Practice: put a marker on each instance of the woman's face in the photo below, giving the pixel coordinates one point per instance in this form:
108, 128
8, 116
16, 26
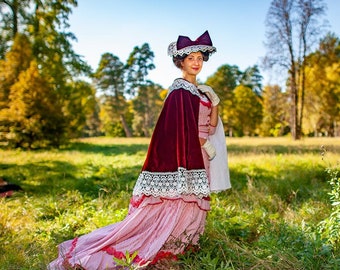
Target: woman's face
192, 64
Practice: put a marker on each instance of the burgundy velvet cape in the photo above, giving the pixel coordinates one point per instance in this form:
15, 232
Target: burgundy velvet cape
175, 148
175, 141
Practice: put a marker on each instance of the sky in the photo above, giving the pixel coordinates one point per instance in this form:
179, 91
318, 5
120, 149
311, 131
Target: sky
237, 29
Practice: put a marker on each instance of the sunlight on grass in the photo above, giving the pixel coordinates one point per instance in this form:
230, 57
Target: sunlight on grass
268, 220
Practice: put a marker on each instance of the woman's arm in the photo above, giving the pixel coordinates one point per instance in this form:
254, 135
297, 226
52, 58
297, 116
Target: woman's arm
214, 116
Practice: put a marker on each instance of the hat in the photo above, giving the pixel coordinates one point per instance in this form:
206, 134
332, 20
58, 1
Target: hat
185, 45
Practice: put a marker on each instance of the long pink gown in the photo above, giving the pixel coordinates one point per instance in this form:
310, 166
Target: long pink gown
168, 209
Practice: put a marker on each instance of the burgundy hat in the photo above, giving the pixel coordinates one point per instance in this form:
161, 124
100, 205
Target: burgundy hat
185, 45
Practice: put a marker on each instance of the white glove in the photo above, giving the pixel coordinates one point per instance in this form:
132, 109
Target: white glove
210, 149
210, 93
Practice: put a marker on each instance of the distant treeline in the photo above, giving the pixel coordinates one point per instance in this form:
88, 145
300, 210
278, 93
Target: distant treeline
49, 94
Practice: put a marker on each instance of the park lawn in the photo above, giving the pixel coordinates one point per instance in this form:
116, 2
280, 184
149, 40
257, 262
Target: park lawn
270, 219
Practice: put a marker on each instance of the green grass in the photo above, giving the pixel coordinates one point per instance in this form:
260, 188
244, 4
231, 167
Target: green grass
269, 220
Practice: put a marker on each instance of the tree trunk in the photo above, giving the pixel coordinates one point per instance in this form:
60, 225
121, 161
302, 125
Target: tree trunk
14, 9
127, 130
146, 125
303, 84
293, 115
294, 100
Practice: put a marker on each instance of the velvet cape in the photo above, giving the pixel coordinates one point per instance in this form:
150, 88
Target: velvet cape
174, 148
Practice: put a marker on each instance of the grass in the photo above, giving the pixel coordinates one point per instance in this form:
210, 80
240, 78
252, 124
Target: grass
269, 220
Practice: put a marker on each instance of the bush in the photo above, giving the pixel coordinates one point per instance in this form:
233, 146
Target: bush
330, 227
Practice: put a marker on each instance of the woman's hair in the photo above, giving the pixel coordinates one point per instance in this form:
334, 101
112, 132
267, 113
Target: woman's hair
179, 59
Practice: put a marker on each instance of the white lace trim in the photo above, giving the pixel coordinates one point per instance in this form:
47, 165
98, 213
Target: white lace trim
183, 84
172, 184
172, 49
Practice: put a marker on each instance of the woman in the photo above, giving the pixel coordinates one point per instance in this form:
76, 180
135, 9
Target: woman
170, 200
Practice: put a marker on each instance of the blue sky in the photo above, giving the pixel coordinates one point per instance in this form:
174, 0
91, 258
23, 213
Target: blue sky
237, 29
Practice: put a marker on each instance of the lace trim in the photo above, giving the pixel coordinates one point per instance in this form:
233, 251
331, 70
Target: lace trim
172, 184
172, 49
183, 84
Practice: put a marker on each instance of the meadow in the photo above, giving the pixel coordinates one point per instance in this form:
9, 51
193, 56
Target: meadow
271, 218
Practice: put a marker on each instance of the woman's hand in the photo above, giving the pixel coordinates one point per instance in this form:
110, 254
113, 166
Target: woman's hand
210, 149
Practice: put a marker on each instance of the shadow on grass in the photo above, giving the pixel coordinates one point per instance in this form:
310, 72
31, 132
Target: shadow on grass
56, 177
106, 149
261, 244
281, 149
131, 149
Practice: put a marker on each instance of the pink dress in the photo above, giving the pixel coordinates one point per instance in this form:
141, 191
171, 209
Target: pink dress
167, 214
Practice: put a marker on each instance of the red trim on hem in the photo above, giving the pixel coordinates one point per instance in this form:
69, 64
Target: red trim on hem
120, 255
66, 263
164, 255
138, 260
137, 203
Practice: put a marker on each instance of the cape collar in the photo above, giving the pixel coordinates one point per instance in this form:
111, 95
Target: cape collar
183, 84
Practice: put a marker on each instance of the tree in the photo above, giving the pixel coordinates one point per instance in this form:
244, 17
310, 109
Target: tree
52, 46
224, 81
34, 113
252, 78
292, 28
93, 125
41, 26
120, 82
146, 107
109, 78
78, 107
323, 87
12, 14
274, 104
248, 111
16, 60
111, 124
138, 65
47, 26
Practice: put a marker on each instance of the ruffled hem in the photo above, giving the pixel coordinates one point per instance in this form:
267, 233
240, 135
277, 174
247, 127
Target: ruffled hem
155, 228
144, 200
138, 261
